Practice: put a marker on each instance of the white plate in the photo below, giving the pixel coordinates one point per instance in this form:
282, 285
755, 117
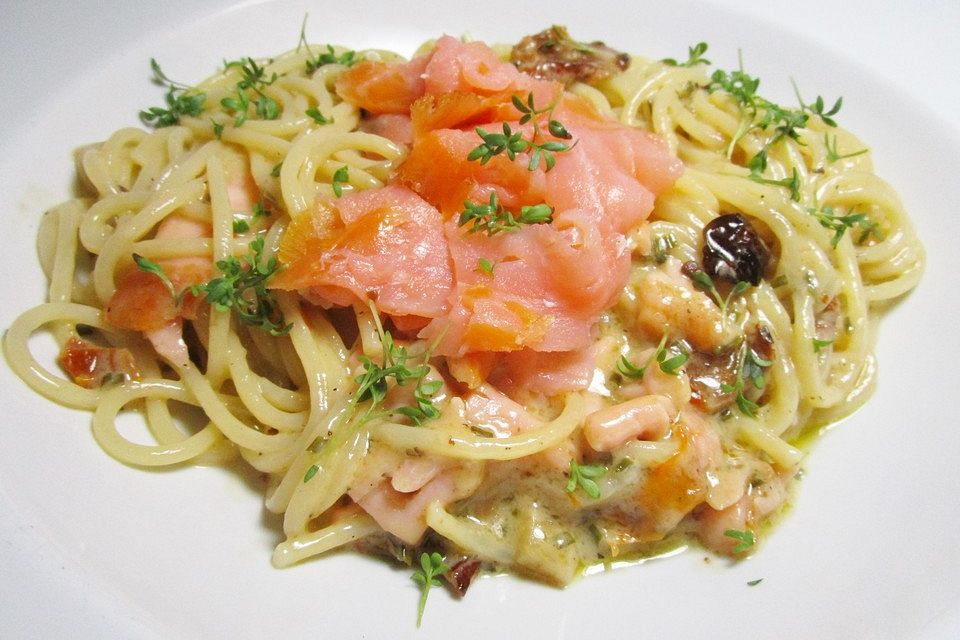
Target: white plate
94, 549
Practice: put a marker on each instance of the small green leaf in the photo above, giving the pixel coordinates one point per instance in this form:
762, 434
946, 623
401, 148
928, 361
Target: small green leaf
694, 56
432, 565
340, 177
485, 266
672, 365
821, 344
584, 477
745, 539
318, 117
149, 266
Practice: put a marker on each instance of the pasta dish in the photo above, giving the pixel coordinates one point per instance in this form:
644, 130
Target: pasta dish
528, 308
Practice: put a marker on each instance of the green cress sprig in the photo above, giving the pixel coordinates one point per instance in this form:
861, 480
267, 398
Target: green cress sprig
745, 540
512, 142
254, 78
241, 287
584, 476
149, 266
485, 266
340, 177
431, 566
662, 244
318, 117
762, 115
751, 367
694, 56
373, 382
839, 224
818, 344
792, 183
314, 62
493, 218
833, 155
670, 366
704, 282
181, 99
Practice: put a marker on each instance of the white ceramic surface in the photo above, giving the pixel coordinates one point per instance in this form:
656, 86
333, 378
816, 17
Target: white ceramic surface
92, 549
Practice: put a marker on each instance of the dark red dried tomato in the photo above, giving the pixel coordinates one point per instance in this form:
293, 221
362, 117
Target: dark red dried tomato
553, 55
733, 251
461, 574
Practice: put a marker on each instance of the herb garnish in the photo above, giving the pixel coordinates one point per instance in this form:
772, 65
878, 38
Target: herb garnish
832, 155
817, 106
394, 364
149, 266
242, 287
694, 56
423, 408
745, 538
704, 282
318, 117
254, 79
431, 566
584, 475
347, 58
494, 218
670, 366
820, 344
779, 281
753, 583
751, 367
869, 228
512, 142
485, 266
180, 101
760, 114
340, 177
829, 219
792, 183
662, 244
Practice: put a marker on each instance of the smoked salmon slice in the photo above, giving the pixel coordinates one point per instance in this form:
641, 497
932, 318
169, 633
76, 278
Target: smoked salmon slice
381, 87
384, 243
546, 284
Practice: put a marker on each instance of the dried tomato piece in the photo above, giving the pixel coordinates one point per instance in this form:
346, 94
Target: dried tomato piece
553, 55
90, 365
462, 573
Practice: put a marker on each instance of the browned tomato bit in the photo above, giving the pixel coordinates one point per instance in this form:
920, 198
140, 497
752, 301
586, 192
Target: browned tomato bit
553, 55
90, 365
708, 372
461, 574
